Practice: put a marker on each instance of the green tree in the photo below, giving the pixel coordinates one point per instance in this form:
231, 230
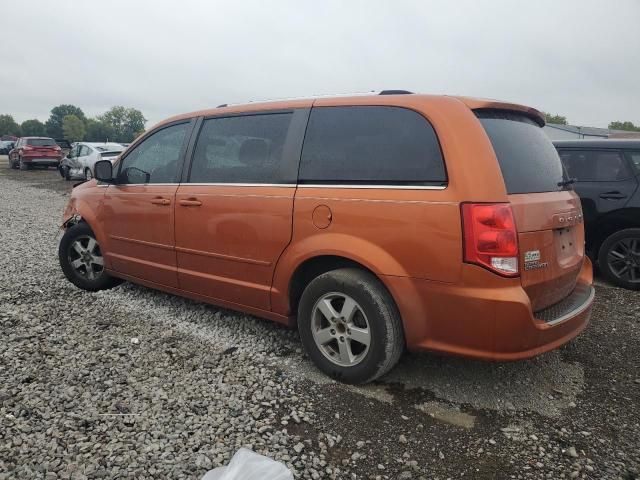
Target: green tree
33, 128
54, 124
629, 126
8, 126
125, 122
98, 131
558, 119
73, 128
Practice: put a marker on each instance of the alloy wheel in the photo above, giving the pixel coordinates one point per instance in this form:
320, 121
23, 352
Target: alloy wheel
85, 257
340, 329
624, 259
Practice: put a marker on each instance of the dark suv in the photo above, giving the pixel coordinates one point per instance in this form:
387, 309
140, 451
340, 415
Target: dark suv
607, 173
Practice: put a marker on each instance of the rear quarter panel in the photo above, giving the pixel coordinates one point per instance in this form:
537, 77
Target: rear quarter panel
398, 232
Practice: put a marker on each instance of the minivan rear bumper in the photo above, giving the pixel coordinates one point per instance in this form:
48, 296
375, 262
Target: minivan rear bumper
487, 317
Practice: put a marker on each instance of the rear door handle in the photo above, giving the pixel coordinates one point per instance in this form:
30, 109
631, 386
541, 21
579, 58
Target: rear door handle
190, 202
612, 196
160, 201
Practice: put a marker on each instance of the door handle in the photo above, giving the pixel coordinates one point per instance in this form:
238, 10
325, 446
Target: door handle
190, 202
612, 195
160, 201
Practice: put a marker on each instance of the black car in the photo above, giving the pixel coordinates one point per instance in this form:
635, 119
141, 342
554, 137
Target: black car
6, 146
607, 173
65, 145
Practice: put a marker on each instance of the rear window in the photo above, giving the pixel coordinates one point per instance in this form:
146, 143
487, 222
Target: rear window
41, 142
527, 158
370, 145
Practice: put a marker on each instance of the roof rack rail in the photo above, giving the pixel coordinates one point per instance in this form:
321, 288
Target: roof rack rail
222, 105
395, 92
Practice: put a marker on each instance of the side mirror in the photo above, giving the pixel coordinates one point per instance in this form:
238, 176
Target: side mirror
103, 171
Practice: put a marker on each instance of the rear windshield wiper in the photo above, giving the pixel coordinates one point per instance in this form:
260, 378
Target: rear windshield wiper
567, 182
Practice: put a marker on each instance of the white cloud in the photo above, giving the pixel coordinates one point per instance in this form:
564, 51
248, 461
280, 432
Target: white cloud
577, 58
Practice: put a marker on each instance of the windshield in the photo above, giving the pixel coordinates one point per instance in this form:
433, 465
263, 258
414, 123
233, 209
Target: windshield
527, 158
41, 142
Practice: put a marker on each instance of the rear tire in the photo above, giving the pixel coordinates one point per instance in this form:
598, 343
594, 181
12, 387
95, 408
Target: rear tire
23, 165
619, 258
82, 261
350, 326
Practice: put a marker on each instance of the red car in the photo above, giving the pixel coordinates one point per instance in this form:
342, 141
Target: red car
35, 151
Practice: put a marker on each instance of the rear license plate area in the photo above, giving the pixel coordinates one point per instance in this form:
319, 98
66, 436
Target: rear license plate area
565, 242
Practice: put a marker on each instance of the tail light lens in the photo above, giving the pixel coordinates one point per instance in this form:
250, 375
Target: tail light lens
27, 148
490, 237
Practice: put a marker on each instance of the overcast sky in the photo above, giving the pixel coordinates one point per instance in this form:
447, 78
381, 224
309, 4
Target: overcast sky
577, 58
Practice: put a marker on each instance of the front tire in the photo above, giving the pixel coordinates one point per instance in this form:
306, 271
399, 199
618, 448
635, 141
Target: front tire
619, 258
82, 261
350, 326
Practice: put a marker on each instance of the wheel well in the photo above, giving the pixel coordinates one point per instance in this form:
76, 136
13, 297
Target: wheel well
611, 224
310, 269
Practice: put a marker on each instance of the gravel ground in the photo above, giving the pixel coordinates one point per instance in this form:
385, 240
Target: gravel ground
133, 383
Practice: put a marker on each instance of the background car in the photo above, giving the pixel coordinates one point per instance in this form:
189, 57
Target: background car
29, 152
607, 175
83, 156
65, 145
6, 146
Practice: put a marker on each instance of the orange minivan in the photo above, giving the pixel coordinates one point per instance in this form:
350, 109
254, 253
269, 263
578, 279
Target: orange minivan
373, 222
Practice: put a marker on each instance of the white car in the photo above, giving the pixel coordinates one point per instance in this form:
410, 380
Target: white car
83, 156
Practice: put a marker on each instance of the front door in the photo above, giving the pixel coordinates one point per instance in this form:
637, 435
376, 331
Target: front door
139, 208
234, 211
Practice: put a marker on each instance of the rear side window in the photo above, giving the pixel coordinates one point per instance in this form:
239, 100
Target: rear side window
595, 165
528, 160
370, 145
242, 149
635, 160
41, 142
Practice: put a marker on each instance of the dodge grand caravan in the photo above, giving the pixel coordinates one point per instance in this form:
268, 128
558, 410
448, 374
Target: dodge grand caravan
374, 223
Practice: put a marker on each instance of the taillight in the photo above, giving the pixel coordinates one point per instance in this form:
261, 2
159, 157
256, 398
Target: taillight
27, 148
490, 237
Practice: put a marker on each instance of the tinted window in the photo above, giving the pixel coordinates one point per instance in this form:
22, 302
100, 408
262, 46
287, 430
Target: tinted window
84, 151
370, 145
243, 149
528, 160
41, 142
635, 160
595, 165
156, 159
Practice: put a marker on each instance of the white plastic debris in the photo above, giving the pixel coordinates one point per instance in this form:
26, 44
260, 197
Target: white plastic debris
248, 465
135, 340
